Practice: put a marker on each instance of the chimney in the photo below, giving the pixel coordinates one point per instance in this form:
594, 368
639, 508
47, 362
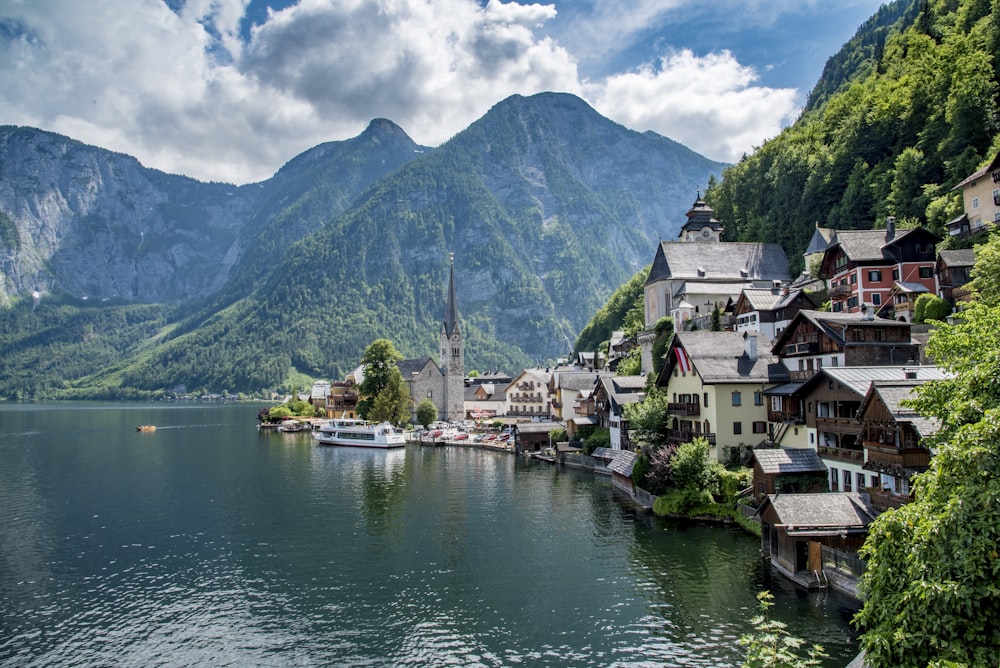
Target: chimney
750, 345
890, 228
867, 312
910, 374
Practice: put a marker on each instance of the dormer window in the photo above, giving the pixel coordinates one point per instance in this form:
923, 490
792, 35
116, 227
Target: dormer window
701, 272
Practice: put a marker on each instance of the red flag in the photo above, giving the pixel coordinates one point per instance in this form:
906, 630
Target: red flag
683, 361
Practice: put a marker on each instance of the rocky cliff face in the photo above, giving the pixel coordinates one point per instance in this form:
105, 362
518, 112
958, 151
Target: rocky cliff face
99, 225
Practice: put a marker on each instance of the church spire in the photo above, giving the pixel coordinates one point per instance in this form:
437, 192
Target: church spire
451, 314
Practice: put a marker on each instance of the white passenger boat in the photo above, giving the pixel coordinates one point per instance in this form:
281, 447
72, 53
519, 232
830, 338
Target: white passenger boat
359, 434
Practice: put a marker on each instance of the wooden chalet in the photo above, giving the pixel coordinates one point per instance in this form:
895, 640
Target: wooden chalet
954, 271
795, 529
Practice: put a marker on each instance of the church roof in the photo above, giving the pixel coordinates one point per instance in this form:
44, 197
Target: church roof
734, 261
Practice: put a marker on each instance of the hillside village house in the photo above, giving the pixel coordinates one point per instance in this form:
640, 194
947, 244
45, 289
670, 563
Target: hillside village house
690, 277
786, 470
981, 198
817, 339
892, 435
769, 311
830, 402
611, 395
715, 382
485, 400
954, 271
566, 386
880, 268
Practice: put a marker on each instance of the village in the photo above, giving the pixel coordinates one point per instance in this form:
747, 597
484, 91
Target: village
814, 401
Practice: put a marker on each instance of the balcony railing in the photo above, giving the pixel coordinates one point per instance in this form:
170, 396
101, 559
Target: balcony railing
889, 456
687, 435
801, 374
838, 291
683, 408
790, 416
842, 454
883, 500
840, 425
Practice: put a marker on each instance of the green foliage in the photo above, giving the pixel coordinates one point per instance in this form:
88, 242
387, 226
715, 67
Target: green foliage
558, 435
694, 469
380, 370
664, 332
902, 113
772, 646
631, 364
624, 310
930, 307
600, 437
392, 403
426, 412
687, 503
650, 418
932, 583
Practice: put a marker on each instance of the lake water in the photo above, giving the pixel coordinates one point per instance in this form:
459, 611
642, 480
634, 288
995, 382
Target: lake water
207, 543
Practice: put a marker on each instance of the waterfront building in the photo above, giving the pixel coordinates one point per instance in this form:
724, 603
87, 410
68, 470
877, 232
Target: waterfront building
715, 382
611, 395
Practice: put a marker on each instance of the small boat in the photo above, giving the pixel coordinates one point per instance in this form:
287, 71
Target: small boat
146, 427
348, 432
293, 426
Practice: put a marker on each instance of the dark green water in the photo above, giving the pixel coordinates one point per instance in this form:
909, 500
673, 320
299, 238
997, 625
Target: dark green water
206, 543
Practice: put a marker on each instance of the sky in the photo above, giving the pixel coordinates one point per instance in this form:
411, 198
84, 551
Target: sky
230, 90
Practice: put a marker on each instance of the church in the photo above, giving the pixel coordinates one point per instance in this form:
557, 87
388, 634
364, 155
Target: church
443, 384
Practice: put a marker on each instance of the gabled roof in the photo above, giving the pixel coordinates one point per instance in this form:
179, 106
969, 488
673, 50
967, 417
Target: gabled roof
963, 257
623, 462
542, 376
788, 460
858, 379
409, 367
821, 514
980, 173
723, 261
719, 357
760, 299
820, 240
833, 325
574, 380
699, 216
623, 390
892, 394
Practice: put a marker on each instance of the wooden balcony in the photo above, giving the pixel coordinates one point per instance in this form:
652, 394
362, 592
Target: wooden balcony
789, 416
883, 501
802, 348
683, 409
890, 457
839, 425
840, 291
687, 435
842, 454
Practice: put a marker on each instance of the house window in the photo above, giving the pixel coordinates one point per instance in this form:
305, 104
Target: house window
706, 400
926, 272
895, 274
758, 398
837, 307
759, 427
877, 299
860, 477
875, 276
737, 428
852, 302
847, 481
857, 334
737, 399
834, 480
975, 202
875, 481
854, 279
812, 438
880, 335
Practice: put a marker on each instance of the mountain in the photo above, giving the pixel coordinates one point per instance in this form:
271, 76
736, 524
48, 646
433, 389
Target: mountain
546, 205
86, 222
901, 114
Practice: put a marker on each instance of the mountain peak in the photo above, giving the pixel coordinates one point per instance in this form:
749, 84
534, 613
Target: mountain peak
383, 128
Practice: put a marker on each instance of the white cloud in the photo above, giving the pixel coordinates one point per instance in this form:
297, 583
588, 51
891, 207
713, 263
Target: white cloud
708, 104
183, 93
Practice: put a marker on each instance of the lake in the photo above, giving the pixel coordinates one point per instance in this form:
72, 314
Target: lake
206, 543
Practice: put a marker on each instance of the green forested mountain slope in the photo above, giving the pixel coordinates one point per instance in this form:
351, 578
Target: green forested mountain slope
906, 110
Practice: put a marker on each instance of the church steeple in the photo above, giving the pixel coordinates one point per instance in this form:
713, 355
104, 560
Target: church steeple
451, 313
701, 225
452, 354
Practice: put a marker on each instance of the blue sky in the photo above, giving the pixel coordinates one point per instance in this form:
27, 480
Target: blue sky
229, 90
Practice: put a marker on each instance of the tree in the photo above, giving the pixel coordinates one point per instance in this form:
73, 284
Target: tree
930, 307
379, 362
932, 582
392, 404
649, 418
427, 412
772, 646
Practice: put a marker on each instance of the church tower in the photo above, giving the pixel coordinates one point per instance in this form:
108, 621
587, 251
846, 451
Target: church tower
701, 226
452, 355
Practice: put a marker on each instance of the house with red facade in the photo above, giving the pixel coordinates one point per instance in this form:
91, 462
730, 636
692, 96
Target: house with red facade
880, 268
